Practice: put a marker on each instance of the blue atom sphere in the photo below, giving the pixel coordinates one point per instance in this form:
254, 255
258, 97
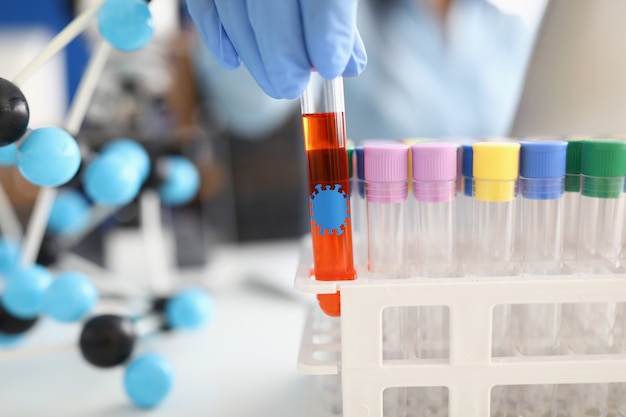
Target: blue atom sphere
132, 151
126, 24
70, 213
189, 309
8, 155
48, 157
24, 291
148, 379
70, 297
182, 181
111, 181
9, 255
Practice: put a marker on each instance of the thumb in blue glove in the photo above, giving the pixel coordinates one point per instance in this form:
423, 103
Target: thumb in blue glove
279, 40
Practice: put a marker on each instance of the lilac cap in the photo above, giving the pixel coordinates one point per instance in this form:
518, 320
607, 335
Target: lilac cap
386, 172
434, 171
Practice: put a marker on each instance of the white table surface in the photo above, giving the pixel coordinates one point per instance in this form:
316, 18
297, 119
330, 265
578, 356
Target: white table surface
243, 364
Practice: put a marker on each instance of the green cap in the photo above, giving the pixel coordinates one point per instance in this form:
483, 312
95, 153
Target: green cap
350, 152
572, 164
603, 158
603, 166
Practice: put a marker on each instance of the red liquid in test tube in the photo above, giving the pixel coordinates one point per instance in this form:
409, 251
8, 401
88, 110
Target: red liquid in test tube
328, 185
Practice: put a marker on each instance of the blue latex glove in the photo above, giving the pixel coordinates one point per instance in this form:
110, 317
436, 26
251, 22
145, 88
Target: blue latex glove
279, 40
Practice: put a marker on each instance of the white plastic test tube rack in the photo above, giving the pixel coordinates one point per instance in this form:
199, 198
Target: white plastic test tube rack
471, 371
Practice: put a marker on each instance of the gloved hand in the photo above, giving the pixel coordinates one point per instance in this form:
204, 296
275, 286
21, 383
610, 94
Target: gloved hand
279, 40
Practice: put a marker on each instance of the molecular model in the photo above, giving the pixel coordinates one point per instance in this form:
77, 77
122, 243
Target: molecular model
121, 172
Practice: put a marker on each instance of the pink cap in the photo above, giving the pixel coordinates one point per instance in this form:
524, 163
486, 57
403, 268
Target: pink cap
434, 171
386, 172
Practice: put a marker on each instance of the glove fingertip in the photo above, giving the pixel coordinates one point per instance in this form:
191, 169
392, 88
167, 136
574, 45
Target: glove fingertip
292, 88
358, 60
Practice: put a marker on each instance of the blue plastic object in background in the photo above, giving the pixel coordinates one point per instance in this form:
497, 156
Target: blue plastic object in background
132, 152
24, 291
111, 181
148, 379
8, 155
189, 309
182, 181
48, 157
70, 213
9, 255
70, 297
126, 24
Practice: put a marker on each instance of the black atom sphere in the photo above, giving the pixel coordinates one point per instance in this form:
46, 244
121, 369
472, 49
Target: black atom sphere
14, 113
107, 340
11, 325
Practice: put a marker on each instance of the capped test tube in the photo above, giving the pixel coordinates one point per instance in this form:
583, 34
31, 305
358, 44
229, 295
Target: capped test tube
603, 167
495, 172
434, 191
542, 184
386, 189
592, 327
323, 123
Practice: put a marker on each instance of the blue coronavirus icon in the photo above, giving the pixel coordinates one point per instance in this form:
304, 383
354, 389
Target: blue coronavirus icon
330, 209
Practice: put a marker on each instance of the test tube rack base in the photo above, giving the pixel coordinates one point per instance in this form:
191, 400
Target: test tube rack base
352, 351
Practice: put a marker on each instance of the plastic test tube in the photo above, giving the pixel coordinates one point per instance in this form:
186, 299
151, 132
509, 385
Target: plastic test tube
324, 129
603, 167
495, 171
571, 199
386, 189
434, 191
535, 327
542, 184
591, 327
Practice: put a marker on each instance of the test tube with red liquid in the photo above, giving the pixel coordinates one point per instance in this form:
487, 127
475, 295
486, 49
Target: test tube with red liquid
328, 178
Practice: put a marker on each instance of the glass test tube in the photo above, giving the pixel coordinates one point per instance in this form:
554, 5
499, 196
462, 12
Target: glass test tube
324, 129
571, 199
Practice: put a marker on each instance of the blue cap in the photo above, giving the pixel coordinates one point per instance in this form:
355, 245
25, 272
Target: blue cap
543, 159
360, 162
360, 169
467, 163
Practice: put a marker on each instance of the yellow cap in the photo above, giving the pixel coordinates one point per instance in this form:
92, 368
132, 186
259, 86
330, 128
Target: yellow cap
496, 166
496, 160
